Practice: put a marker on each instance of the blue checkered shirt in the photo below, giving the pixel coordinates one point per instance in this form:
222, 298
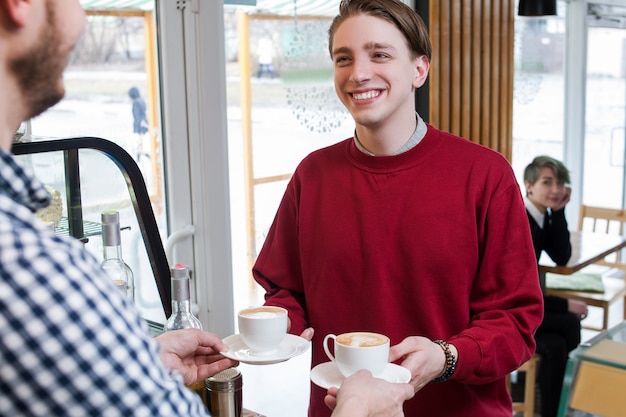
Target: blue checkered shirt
71, 344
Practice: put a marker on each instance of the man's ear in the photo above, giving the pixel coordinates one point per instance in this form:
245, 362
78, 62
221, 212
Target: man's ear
16, 11
422, 65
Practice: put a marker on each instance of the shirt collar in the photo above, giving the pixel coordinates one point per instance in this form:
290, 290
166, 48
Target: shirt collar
21, 185
416, 137
537, 215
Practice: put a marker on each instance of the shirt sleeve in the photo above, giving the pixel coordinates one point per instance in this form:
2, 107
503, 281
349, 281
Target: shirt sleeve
557, 238
506, 302
277, 268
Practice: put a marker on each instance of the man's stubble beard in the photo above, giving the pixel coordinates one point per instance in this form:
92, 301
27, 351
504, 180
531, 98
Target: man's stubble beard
39, 71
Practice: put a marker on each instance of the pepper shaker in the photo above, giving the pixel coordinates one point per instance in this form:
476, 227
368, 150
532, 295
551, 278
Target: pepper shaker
224, 393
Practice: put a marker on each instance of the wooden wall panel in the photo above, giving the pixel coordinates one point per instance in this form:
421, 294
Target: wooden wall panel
471, 78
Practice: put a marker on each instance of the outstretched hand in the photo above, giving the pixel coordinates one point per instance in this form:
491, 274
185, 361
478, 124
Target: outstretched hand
194, 353
362, 395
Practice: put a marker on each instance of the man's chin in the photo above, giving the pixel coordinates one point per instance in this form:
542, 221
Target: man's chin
44, 103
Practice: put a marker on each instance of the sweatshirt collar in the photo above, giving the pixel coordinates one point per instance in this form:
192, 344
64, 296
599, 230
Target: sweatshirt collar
416, 137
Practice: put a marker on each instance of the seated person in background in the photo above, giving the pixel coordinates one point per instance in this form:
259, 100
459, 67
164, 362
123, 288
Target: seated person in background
547, 193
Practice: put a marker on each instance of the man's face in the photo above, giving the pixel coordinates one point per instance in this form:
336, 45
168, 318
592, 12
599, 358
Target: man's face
375, 74
39, 69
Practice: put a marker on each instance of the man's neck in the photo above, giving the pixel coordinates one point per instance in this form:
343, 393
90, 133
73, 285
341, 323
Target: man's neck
381, 143
10, 111
390, 141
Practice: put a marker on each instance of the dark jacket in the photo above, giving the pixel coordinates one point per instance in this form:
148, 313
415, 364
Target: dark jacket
140, 120
554, 239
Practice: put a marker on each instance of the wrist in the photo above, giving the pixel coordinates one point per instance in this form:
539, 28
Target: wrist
351, 406
451, 355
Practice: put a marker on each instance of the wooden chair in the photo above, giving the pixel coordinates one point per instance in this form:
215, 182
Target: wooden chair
609, 221
527, 405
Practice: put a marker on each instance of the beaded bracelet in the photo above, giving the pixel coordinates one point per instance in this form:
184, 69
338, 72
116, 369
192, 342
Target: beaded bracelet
450, 362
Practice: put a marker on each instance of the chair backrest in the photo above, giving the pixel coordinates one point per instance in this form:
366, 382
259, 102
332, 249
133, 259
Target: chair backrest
604, 220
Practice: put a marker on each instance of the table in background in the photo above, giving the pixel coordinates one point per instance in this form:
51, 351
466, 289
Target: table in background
595, 377
587, 248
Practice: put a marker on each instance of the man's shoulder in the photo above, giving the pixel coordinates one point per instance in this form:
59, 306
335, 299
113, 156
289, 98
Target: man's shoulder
468, 149
28, 240
330, 151
323, 160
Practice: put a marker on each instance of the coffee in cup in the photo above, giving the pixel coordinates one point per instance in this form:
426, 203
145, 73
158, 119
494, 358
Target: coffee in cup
359, 350
262, 328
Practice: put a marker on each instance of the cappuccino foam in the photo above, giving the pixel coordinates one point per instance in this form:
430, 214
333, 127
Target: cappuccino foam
262, 313
362, 339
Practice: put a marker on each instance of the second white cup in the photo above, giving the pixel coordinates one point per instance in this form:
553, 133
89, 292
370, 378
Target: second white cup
262, 328
359, 350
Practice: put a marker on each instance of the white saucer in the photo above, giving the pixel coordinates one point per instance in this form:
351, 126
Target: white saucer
327, 375
290, 347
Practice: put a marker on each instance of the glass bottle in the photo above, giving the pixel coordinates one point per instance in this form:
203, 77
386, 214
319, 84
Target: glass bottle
113, 263
182, 317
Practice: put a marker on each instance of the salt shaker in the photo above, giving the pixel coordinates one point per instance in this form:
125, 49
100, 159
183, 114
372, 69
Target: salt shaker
223, 393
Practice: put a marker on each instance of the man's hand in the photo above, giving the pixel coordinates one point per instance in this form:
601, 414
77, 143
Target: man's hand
361, 395
194, 353
424, 358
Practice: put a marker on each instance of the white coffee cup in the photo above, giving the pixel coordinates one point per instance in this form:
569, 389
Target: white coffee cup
262, 328
359, 350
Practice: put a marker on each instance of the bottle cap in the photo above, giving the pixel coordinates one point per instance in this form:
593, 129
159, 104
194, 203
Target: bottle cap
179, 271
111, 228
110, 216
180, 283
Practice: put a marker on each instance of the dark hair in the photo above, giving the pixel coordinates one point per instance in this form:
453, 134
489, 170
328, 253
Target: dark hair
532, 171
394, 11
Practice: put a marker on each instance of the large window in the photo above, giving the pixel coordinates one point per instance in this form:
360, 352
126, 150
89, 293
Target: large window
605, 117
538, 110
111, 58
569, 99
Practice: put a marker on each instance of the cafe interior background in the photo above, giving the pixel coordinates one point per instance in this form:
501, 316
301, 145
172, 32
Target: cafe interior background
224, 138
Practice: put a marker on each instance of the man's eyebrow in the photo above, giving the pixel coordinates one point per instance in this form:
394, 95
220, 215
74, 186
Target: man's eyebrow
341, 50
375, 45
368, 46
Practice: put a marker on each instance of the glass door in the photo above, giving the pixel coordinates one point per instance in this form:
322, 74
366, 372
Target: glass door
605, 135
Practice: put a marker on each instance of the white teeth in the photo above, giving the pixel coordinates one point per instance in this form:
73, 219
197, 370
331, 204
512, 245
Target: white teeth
366, 95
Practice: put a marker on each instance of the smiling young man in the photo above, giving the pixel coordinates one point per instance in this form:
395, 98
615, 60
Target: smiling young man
406, 230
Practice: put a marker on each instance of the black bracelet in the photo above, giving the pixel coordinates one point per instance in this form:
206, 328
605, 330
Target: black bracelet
450, 362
